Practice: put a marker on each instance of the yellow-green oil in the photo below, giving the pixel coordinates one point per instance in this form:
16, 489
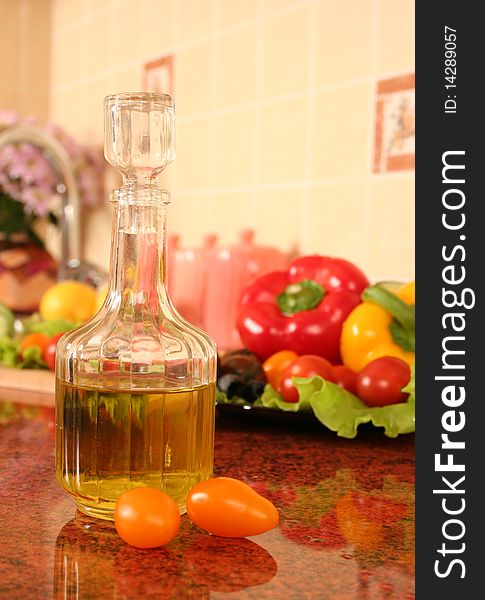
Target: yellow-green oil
108, 442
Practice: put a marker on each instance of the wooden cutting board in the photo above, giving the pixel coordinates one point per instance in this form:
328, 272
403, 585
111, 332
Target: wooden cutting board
27, 385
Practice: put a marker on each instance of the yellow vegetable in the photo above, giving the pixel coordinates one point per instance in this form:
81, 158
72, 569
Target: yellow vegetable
70, 300
101, 294
383, 325
408, 293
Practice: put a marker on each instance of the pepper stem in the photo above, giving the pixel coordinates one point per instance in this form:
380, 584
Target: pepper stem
297, 297
402, 327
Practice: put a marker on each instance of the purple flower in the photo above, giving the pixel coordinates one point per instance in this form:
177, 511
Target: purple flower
27, 176
31, 166
36, 201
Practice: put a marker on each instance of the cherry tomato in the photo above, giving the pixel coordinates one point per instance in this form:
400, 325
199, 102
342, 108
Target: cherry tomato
345, 378
304, 366
40, 340
146, 518
49, 352
380, 382
230, 508
275, 365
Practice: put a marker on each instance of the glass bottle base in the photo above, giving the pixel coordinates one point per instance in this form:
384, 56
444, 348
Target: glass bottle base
107, 513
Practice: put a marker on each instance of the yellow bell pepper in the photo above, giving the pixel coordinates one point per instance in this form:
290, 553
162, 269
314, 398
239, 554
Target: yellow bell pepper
383, 325
407, 293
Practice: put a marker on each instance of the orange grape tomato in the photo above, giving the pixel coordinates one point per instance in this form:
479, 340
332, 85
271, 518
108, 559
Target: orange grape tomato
146, 518
275, 365
34, 339
230, 508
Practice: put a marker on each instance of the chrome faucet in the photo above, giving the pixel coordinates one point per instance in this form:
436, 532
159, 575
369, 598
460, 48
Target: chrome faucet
71, 266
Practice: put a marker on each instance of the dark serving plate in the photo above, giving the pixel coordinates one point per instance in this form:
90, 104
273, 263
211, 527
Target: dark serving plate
259, 415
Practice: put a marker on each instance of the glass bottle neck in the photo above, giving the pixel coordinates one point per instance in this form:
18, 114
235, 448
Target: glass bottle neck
138, 253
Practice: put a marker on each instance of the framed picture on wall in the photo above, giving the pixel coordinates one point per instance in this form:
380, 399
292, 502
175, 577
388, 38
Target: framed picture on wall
395, 124
158, 75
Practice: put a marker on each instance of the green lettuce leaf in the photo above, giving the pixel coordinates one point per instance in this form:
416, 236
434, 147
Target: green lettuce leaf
338, 409
7, 320
8, 351
410, 388
30, 358
343, 412
271, 399
34, 324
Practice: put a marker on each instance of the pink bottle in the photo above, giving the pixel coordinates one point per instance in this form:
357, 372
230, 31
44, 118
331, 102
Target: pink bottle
173, 242
187, 268
229, 269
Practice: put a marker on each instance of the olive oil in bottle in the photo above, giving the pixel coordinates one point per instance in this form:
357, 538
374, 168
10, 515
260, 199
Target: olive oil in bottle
135, 385
109, 441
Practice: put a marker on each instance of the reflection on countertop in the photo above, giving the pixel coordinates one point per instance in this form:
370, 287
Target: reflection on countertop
346, 530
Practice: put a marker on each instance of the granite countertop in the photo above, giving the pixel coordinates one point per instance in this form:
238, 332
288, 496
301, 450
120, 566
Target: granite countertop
346, 529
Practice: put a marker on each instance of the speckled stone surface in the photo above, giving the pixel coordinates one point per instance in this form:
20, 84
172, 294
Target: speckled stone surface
346, 530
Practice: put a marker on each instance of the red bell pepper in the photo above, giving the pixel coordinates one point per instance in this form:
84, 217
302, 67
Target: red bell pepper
302, 309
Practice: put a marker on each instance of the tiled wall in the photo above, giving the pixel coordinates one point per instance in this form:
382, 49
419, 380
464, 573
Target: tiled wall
24, 56
275, 115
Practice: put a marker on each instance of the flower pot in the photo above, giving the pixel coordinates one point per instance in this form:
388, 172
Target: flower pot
26, 272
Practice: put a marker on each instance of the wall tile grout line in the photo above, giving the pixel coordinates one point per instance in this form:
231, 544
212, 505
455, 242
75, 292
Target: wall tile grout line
230, 108
139, 62
108, 9
367, 208
213, 95
295, 184
310, 123
22, 60
258, 116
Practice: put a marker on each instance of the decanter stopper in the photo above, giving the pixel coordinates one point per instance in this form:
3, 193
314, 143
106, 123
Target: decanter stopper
139, 135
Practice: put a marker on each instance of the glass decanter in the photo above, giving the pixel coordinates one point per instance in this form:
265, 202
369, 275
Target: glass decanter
135, 385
